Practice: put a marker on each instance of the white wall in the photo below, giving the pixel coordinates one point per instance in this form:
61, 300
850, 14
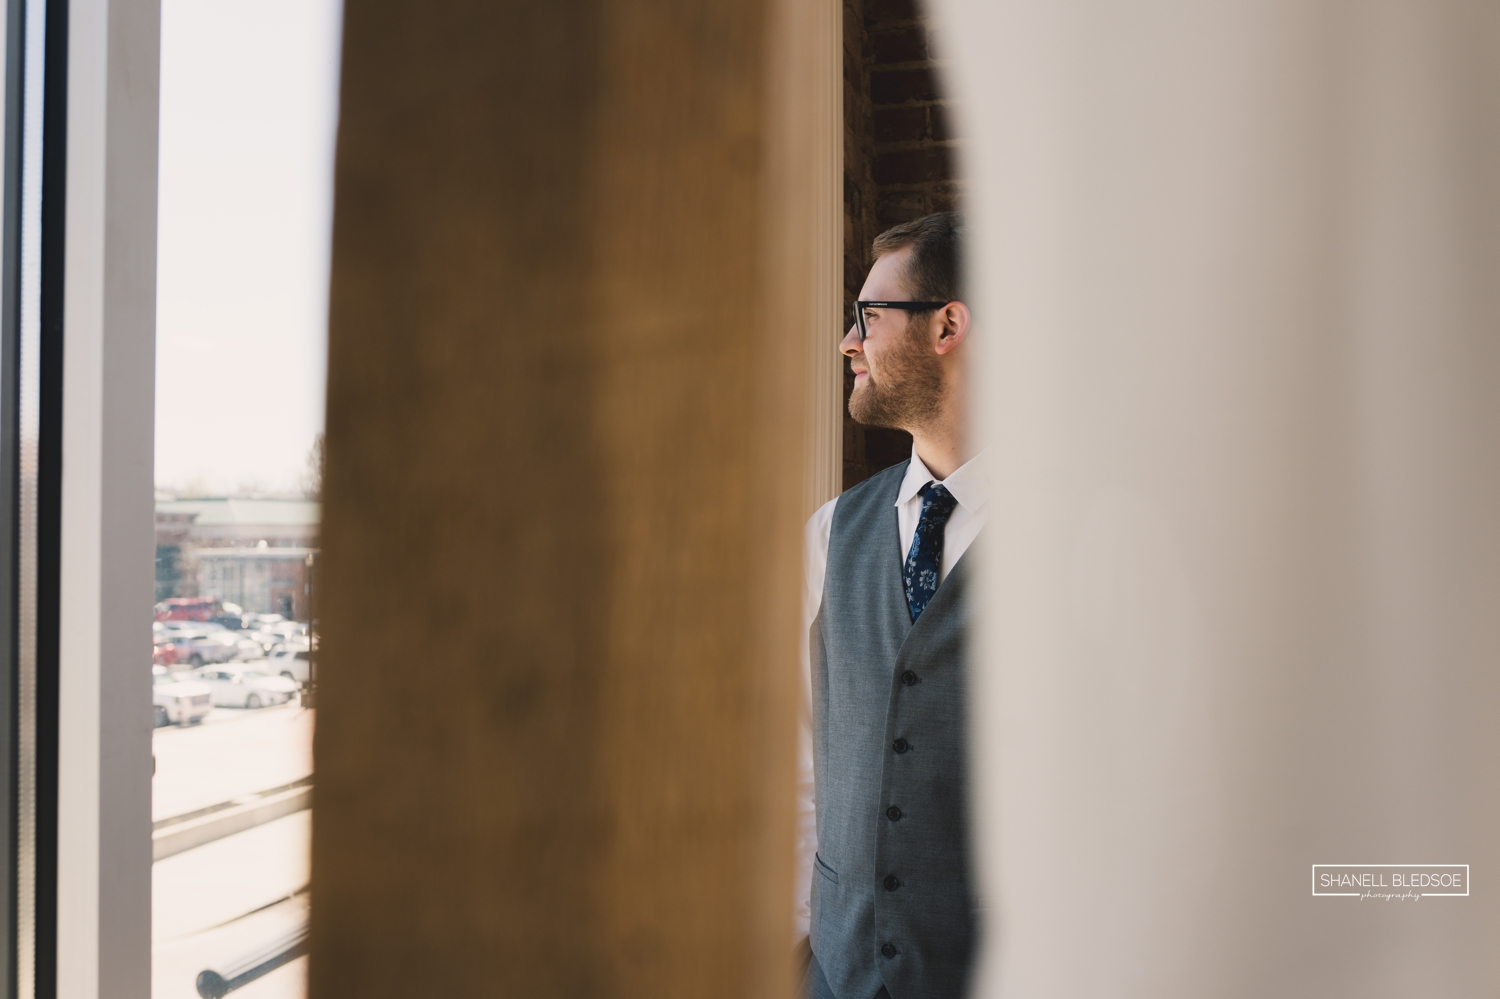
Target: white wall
1238, 307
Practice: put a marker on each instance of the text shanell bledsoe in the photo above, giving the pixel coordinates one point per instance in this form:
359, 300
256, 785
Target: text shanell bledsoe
1391, 879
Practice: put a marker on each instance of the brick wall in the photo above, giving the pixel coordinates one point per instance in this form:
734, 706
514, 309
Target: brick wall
898, 165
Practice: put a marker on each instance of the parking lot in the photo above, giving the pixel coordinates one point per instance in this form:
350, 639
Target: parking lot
228, 897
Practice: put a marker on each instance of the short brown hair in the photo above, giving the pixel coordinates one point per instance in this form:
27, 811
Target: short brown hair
935, 271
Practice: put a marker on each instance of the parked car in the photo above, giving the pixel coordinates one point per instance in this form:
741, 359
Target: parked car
286, 631
247, 647
241, 688
295, 642
264, 639
191, 609
292, 663
163, 654
200, 647
172, 630
176, 701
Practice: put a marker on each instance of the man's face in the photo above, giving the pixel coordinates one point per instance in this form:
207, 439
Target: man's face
898, 377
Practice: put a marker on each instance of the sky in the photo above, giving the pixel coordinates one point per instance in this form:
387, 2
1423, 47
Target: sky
249, 106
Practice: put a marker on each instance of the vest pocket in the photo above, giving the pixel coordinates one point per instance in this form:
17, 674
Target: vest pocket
823, 869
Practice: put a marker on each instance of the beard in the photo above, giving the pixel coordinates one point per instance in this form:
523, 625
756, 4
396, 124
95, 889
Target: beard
909, 390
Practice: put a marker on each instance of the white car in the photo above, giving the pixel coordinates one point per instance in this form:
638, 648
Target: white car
292, 663
250, 647
205, 644
175, 701
286, 631
243, 688
264, 640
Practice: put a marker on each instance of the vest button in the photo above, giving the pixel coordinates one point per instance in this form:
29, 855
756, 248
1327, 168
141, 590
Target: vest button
892, 882
893, 813
908, 678
888, 950
900, 745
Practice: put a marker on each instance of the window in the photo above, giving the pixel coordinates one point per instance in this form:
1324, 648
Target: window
248, 99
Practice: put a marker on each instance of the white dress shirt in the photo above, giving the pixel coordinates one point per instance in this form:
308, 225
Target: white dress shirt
970, 485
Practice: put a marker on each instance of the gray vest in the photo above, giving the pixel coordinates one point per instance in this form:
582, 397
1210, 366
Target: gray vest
891, 902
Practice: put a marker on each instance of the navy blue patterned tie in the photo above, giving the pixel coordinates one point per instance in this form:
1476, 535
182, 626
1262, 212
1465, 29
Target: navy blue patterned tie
926, 555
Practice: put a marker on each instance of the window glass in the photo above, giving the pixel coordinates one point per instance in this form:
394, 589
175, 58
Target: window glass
248, 113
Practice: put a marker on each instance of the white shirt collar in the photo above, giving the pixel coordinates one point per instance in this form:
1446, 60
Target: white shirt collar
969, 483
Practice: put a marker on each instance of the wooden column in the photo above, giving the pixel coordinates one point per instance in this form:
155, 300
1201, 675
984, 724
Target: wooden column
566, 432
805, 212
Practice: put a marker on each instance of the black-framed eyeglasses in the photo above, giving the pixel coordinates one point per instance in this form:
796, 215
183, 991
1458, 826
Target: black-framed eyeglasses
860, 307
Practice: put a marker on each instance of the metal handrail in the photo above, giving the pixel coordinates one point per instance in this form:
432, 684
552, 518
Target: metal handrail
223, 806
225, 977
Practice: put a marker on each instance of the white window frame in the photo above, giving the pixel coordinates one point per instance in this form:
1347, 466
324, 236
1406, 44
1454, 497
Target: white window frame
107, 543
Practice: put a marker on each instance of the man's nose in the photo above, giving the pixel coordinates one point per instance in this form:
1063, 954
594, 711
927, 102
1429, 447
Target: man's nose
851, 344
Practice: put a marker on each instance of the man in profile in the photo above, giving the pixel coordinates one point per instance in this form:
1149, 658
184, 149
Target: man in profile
892, 911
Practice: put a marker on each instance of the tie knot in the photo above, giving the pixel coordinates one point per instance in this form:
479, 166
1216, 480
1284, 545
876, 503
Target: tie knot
937, 501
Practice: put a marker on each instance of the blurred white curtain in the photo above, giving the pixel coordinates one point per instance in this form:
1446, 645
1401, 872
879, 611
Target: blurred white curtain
1238, 296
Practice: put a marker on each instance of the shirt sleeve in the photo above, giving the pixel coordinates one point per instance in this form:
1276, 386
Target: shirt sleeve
815, 567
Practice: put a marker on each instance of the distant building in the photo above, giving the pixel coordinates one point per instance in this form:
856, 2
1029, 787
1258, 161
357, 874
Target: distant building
171, 537
242, 523
261, 580
253, 552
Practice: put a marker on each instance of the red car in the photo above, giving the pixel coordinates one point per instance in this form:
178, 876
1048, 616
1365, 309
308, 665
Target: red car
189, 609
163, 652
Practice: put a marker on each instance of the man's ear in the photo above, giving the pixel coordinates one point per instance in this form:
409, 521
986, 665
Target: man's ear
954, 320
